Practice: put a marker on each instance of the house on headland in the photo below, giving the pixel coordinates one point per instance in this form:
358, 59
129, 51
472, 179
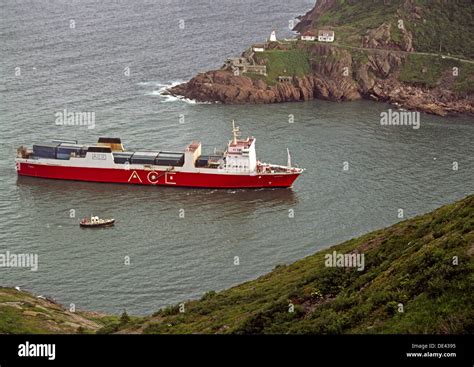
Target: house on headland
325, 36
242, 65
308, 36
259, 47
285, 79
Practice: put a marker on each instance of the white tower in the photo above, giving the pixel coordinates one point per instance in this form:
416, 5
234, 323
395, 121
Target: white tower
273, 37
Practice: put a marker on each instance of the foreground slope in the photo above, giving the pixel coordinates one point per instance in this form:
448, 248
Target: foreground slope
23, 313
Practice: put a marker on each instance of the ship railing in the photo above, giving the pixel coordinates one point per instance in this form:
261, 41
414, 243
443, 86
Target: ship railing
274, 168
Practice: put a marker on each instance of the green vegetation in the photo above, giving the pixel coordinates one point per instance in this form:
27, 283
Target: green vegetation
351, 20
112, 324
465, 82
23, 313
418, 278
441, 26
257, 76
445, 27
359, 14
292, 62
13, 322
431, 71
426, 70
431, 23
359, 56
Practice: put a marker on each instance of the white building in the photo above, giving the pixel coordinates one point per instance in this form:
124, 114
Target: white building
241, 156
273, 37
308, 36
258, 48
325, 36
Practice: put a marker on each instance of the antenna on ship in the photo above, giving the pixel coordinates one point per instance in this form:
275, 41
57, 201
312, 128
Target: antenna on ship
289, 157
235, 133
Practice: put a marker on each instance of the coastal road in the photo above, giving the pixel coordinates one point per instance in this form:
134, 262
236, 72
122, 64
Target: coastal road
404, 52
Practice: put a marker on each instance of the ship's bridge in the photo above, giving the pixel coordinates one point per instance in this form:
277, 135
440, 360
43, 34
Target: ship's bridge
241, 154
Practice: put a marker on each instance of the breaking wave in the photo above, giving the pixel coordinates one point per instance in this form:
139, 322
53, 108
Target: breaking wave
160, 89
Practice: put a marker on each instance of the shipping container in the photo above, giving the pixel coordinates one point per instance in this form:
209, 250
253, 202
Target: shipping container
170, 159
46, 150
122, 157
205, 160
63, 141
64, 151
63, 156
143, 158
171, 154
201, 161
169, 162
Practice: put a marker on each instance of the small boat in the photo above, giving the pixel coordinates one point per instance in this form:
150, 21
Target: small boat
96, 222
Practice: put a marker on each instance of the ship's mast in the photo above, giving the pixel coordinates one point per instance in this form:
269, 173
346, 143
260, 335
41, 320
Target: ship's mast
235, 133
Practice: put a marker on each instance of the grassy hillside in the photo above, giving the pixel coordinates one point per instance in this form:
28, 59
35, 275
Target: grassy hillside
435, 30
293, 62
443, 26
431, 71
422, 70
24, 313
436, 25
418, 278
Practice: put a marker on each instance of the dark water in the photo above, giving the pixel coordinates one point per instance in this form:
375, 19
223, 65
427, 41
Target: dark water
173, 258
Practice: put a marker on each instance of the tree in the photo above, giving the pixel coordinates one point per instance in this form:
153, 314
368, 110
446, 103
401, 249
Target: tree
124, 319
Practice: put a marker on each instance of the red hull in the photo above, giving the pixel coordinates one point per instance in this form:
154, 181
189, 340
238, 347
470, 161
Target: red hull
161, 178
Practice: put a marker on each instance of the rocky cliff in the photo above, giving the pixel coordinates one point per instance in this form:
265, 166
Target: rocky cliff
337, 75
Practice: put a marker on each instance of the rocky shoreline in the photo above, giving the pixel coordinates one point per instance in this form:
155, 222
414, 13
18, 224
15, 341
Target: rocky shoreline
338, 76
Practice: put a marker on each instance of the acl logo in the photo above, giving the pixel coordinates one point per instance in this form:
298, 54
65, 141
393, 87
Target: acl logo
134, 176
153, 177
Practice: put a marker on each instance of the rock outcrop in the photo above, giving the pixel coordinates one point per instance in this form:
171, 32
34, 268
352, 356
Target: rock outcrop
328, 81
336, 75
310, 18
381, 37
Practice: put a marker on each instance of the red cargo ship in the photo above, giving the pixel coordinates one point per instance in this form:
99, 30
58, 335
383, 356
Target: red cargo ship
108, 161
